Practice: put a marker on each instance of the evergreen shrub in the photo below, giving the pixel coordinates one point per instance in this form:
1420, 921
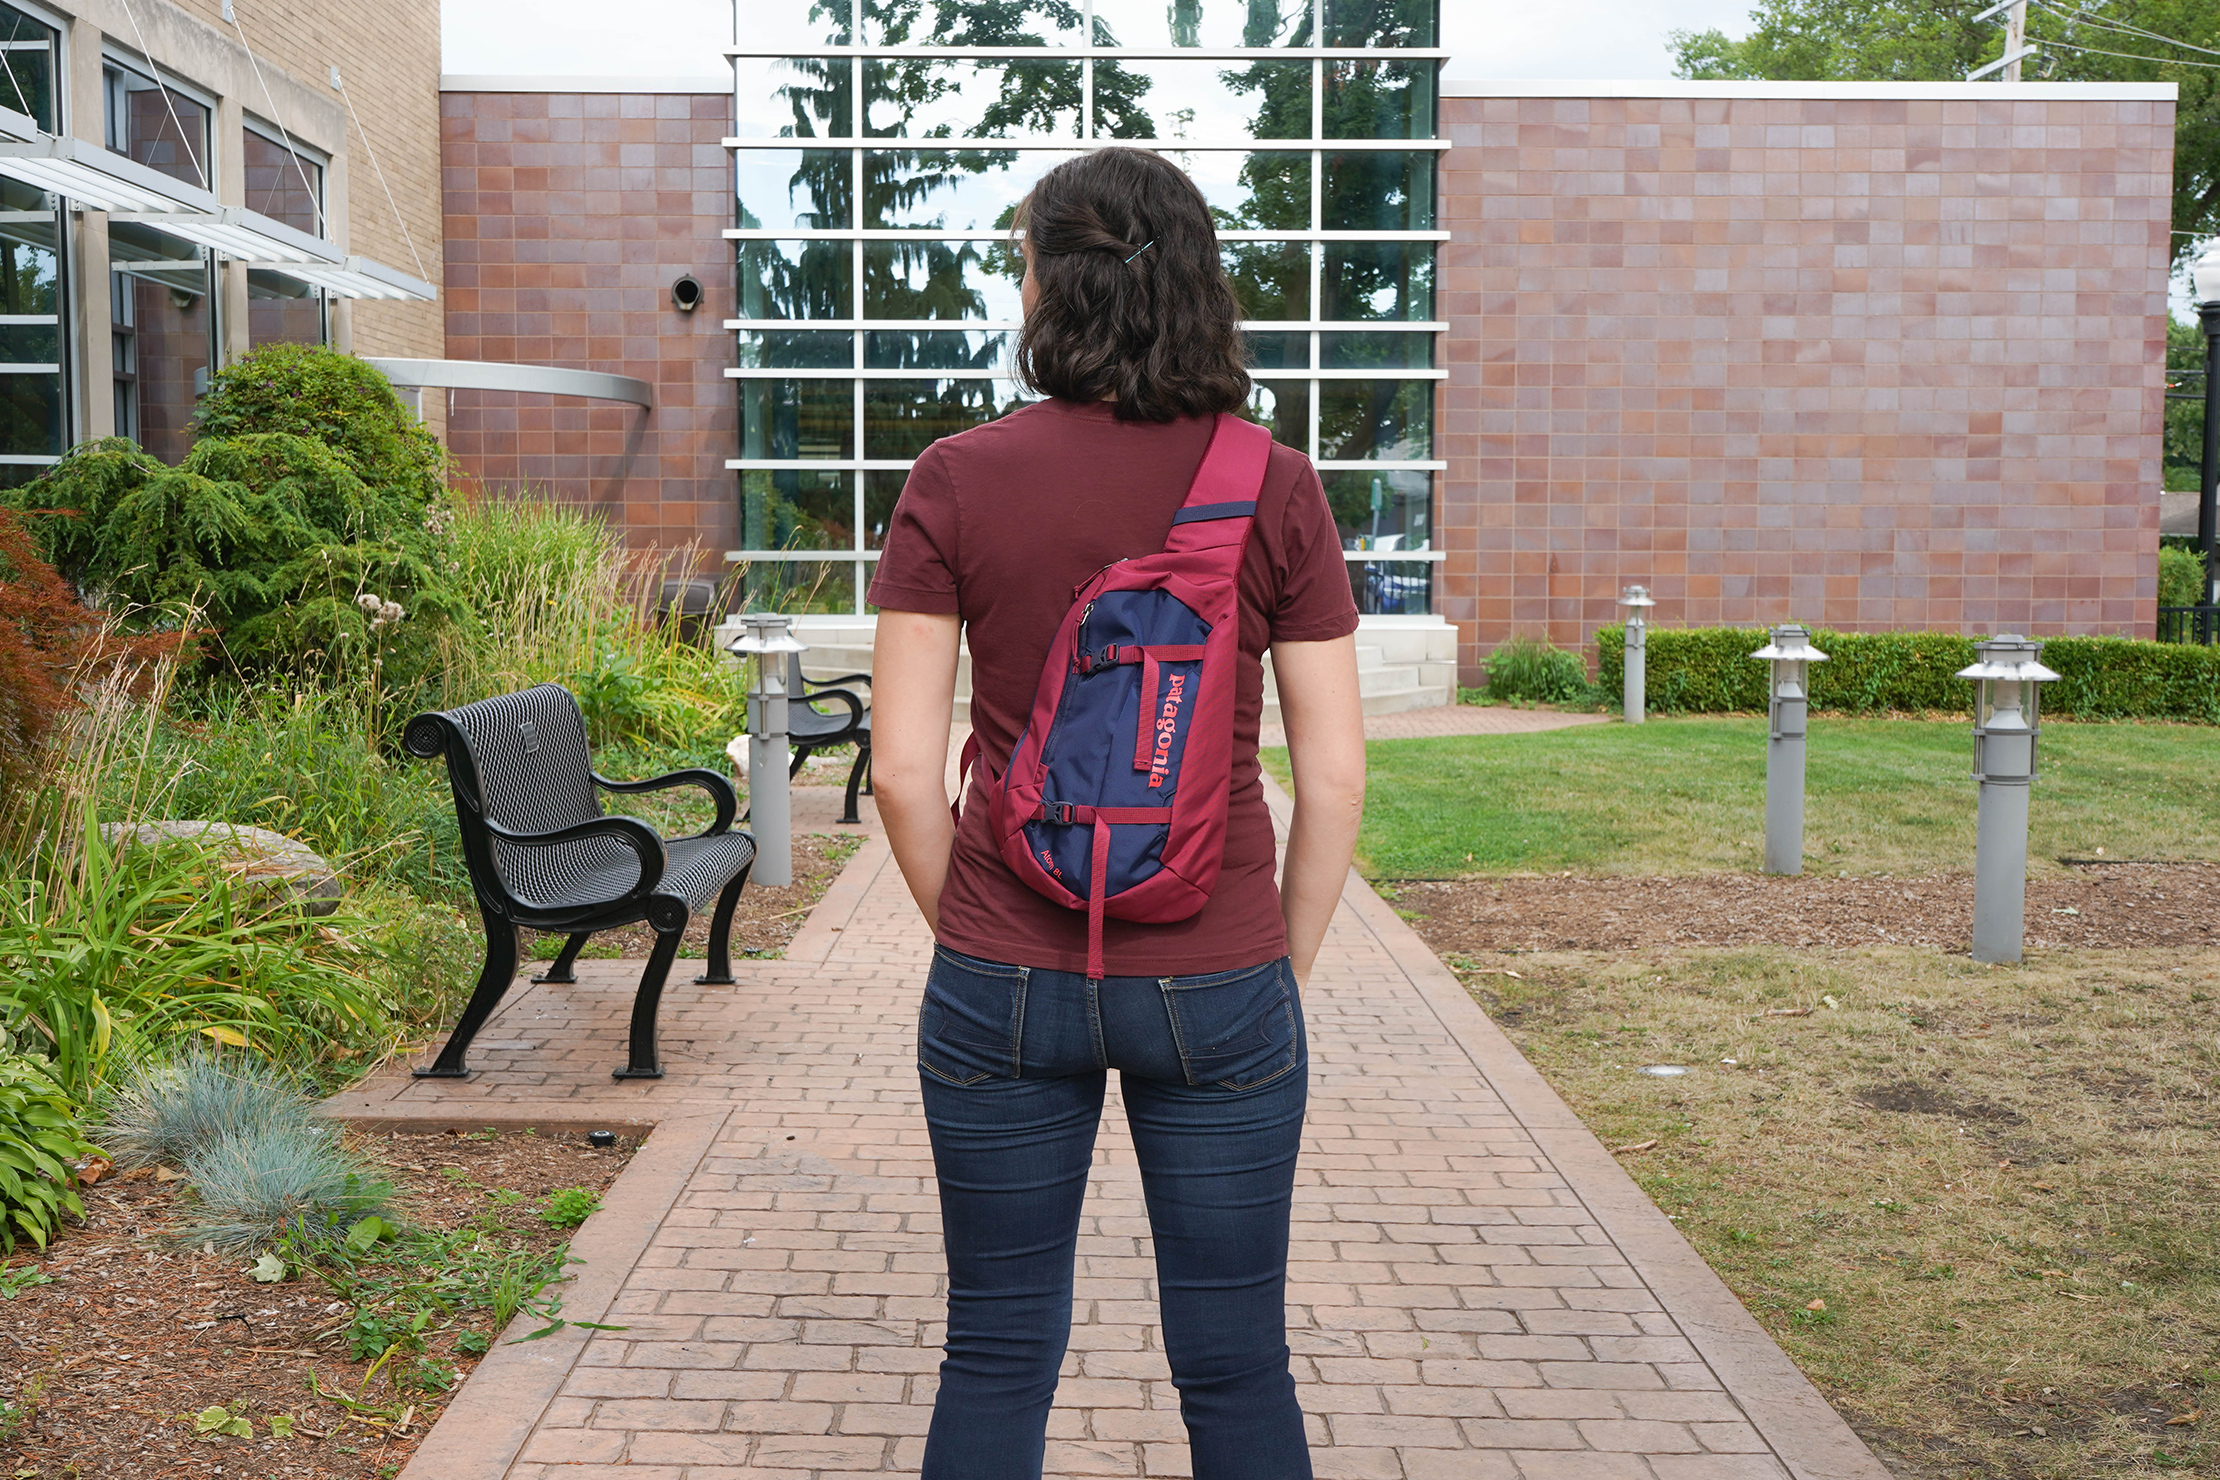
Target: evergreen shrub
2181, 576
1531, 669
1708, 670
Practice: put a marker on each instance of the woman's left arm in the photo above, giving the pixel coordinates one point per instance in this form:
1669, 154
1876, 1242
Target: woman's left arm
913, 703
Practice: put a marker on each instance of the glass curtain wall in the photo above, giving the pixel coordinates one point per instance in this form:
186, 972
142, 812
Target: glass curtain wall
163, 313
882, 149
33, 419
288, 186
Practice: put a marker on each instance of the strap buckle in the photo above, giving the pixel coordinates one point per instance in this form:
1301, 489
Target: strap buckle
1057, 812
1109, 657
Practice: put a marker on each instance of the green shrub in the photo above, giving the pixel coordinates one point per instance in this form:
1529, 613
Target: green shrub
271, 540
1527, 668
250, 1190
1710, 671
2181, 577
38, 1142
168, 1111
341, 401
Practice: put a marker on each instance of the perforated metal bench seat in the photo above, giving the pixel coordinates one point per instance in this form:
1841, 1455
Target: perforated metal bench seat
543, 856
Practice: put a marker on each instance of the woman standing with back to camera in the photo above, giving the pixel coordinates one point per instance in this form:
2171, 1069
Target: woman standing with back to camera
1107, 899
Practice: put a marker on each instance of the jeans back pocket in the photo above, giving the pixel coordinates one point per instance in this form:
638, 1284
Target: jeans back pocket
1235, 1029
972, 1021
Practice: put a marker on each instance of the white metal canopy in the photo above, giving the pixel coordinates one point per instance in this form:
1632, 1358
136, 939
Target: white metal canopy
100, 179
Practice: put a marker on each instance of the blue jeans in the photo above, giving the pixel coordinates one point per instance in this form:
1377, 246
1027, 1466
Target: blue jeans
1215, 1071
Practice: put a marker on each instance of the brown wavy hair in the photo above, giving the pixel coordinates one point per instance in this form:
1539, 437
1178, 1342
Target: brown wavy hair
1133, 302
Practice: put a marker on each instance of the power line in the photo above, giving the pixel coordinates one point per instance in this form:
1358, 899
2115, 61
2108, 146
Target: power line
2123, 28
2129, 56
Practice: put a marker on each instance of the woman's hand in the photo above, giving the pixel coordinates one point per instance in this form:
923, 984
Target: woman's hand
1324, 717
913, 703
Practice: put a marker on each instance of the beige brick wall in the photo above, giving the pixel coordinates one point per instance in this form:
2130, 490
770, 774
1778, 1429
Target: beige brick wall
388, 57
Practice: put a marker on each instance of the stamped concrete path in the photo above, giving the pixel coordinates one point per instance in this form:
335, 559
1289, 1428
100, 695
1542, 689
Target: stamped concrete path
1478, 1292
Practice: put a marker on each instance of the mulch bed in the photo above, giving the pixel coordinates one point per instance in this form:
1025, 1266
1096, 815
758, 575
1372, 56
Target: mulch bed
2118, 905
762, 925
138, 1333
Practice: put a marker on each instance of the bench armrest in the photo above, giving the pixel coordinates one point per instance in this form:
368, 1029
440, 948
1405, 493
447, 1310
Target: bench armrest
841, 696
719, 789
630, 831
833, 683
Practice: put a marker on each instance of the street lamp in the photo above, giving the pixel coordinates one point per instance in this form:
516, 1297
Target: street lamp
2204, 275
769, 638
1634, 690
1791, 655
2005, 676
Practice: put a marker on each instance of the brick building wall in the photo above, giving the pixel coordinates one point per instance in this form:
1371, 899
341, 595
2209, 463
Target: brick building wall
568, 217
388, 57
1849, 358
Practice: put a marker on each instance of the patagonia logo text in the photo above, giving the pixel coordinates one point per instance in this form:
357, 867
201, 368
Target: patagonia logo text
1167, 721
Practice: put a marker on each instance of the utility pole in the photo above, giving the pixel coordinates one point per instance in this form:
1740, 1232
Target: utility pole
2016, 49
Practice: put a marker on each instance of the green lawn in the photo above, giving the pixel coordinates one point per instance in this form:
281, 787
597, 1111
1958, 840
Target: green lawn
1688, 796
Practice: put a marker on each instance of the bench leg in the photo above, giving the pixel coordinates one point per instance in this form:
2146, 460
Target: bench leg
565, 965
858, 775
642, 1064
493, 980
719, 973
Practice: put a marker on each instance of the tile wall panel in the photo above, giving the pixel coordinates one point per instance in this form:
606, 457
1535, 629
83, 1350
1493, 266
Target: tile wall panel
568, 217
1863, 363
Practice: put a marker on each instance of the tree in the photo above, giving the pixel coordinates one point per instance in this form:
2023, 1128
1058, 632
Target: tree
1938, 40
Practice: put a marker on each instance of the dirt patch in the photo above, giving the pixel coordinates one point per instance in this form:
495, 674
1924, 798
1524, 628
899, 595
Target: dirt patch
762, 925
103, 1370
2112, 906
1972, 1203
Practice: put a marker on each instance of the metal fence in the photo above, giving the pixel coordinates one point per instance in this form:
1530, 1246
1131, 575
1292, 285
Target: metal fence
2199, 624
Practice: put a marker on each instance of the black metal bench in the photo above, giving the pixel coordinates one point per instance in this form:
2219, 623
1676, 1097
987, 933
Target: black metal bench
809, 729
543, 856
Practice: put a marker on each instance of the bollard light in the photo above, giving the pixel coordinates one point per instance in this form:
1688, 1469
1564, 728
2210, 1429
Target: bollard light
1791, 655
2006, 676
1635, 690
769, 637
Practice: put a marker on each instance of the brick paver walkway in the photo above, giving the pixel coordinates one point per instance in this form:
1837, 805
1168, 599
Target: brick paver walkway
1477, 1292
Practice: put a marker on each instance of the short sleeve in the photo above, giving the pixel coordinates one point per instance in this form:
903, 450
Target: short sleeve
1315, 603
917, 565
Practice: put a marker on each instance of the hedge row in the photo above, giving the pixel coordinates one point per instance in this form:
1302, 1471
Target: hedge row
1708, 670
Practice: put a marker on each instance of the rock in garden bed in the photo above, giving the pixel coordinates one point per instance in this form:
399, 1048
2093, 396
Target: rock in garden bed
2118, 905
111, 1370
264, 861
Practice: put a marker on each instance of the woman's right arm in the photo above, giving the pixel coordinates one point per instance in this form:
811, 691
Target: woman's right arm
1324, 718
913, 701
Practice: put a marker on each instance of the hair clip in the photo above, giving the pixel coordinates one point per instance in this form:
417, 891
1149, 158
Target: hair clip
1144, 247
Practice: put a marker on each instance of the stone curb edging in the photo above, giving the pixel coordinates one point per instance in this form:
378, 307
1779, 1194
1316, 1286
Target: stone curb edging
1805, 1432
836, 907
493, 1415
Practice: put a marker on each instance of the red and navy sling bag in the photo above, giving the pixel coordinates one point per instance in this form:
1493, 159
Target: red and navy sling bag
1114, 801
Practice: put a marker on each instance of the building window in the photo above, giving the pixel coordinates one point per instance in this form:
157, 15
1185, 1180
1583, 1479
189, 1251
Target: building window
164, 310
875, 183
34, 414
286, 184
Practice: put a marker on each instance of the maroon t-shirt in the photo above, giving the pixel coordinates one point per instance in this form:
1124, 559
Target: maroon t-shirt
998, 525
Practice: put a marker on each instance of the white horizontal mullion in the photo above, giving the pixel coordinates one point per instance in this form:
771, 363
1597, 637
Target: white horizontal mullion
22, 367
934, 233
1011, 326
818, 464
1383, 465
1036, 143
1414, 557
827, 557
1111, 53
850, 372
1377, 372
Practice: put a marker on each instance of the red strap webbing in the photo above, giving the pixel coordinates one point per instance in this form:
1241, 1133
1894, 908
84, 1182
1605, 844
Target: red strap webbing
1098, 882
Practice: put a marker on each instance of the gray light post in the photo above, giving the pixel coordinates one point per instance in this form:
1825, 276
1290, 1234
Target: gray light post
2004, 725
1635, 697
1791, 655
770, 638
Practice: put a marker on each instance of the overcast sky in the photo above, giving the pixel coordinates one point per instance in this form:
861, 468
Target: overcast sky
666, 38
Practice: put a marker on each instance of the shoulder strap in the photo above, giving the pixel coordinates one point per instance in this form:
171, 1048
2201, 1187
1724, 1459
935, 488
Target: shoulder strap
1225, 487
